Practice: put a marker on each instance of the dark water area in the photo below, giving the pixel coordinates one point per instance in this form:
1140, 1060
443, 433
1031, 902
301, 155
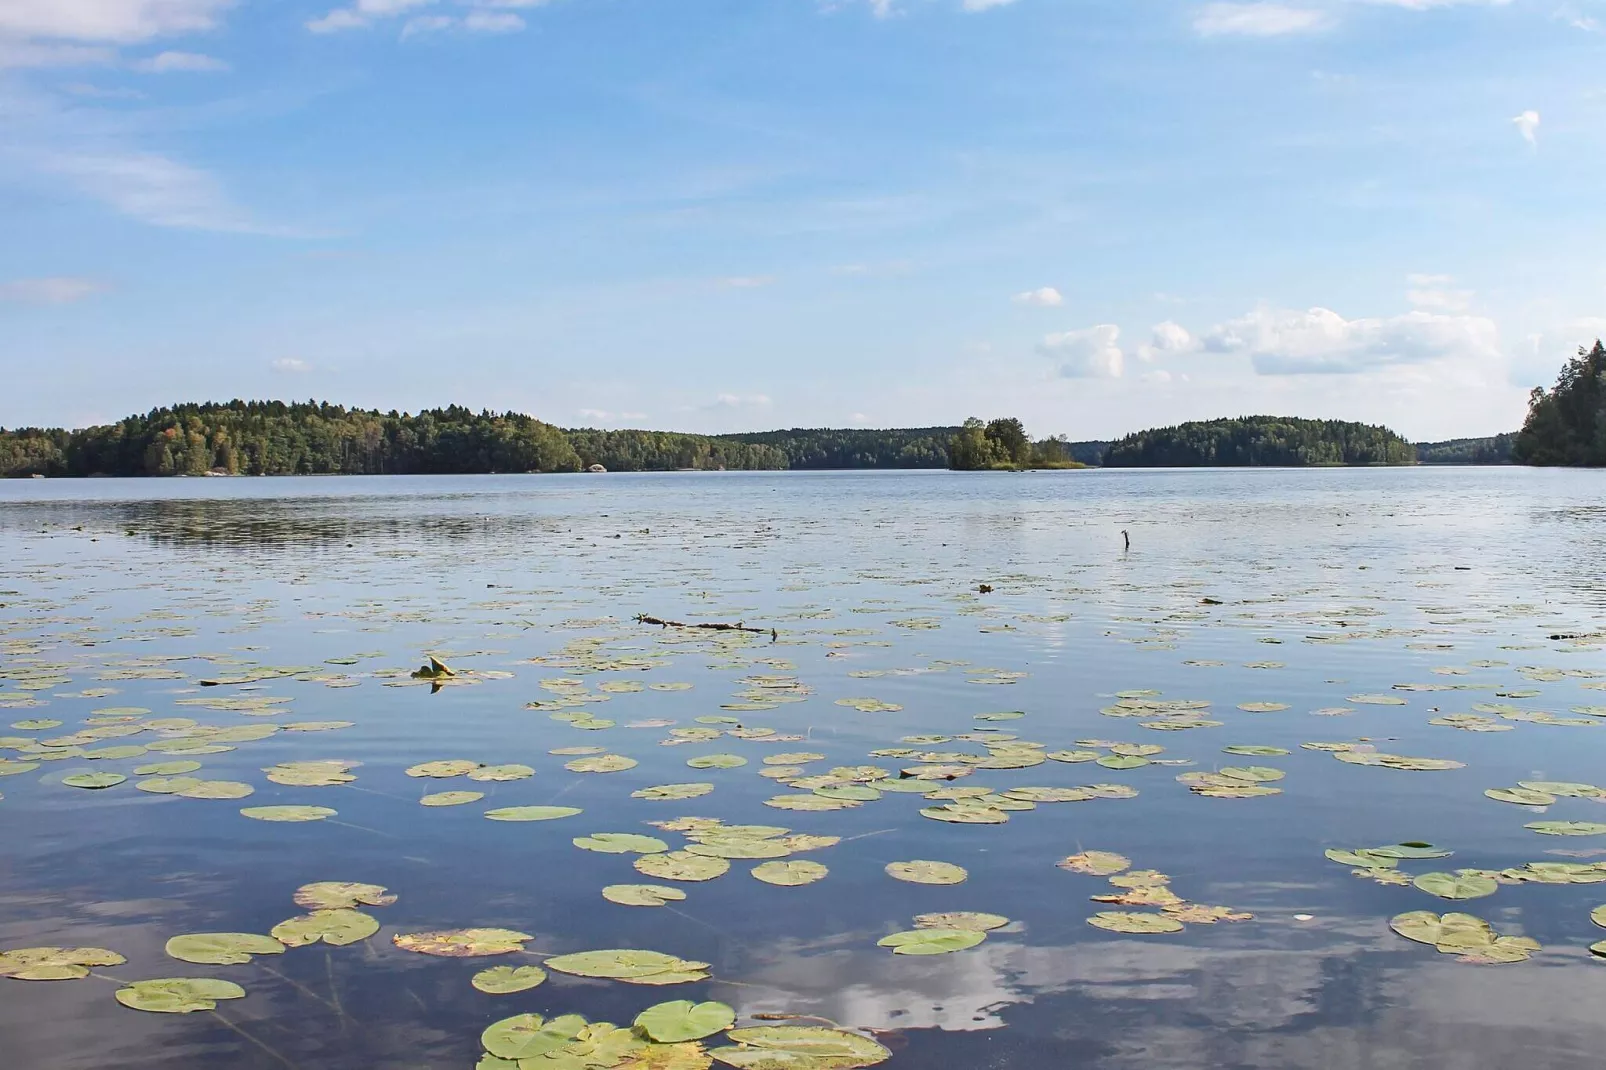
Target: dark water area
1351, 607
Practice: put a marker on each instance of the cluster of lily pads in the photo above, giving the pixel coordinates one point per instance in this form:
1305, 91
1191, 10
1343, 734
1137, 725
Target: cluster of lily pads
1143, 887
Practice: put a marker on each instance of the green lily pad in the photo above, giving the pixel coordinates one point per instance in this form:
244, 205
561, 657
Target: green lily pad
1520, 796
1456, 886
1255, 751
503, 980
1566, 828
963, 919
496, 773
216, 789
222, 949
717, 761
339, 926
1263, 707
631, 966
167, 769
336, 895
601, 763
1598, 916
803, 1047
667, 792
642, 895
529, 1036
683, 1020
1123, 761
166, 785
926, 872
531, 813
462, 943
1563, 788
93, 780
451, 798
931, 941
1096, 863
55, 963
446, 768
178, 995
681, 866
288, 813
1415, 849
790, 874
1119, 922
620, 843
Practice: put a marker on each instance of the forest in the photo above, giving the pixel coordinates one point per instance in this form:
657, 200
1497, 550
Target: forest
1566, 425
1260, 440
1004, 445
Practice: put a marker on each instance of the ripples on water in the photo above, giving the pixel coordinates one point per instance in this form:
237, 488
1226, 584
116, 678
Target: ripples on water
1336, 582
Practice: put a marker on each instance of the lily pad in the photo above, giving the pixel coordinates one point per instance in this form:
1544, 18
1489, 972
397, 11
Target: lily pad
631, 966
451, 798
803, 1047
1096, 863
217, 789
932, 941
339, 926
335, 895
288, 813
529, 1036
503, 980
442, 769
666, 792
496, 773
683, 1020
926, 872
1566, 828
963, 919
178, 995
1456, 886
717, 761
790, 874
1119, 922
463, 943
222, 949
93, 780
601, 763
642, 895
1520, 796
531, 813
55, 963
681, 866
1255, 751
620, 843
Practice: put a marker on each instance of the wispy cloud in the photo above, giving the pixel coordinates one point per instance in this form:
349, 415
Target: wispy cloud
1437, 293
1259, 20
152, 188
1528, 126
487, 17
291, 365
740, 401
169, 62
747, 282
57, 290
116, 21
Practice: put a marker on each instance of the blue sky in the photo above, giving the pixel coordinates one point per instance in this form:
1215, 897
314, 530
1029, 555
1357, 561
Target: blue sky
718, 215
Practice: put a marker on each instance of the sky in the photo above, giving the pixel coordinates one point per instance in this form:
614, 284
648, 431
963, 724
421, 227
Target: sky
724, 215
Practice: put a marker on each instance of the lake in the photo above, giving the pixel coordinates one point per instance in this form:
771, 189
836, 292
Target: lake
1433, 632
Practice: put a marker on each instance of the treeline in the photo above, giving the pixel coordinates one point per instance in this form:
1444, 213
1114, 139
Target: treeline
1495, 449
667, 451
915, 447
1003, 444
1567, 424
1260, 440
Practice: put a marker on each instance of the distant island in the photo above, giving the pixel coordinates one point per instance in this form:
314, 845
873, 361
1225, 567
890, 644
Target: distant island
316, 438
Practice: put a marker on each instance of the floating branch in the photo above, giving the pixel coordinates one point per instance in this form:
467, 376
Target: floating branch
739, 626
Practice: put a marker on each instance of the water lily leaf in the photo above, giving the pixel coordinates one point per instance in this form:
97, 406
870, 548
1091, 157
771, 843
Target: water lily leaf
1566, 828
1049, 795
619, 843
794, 758
790, 874
960, 814
490, 773
216, 789
665, 792
851, 792
167, 769
222, 949
931, 941
1122, 761
177, 995
1520, 796
1598, 916
503, 980
1563, 788
1454, 886
529, 1036
463, 943
642, 895
1073, 756
531, 813
717, 761
809, 802
93, 780
963, 919
1135, 923
631, 966
925, 872
1255, 751
1096, 863
55, 963
446, 768
800, 1046
166, 785
683, 1020
451, 798
288, 813
1377, 700
1415, 849
338, 926
1253, 774
869, 705
681, 866
601, 763
1263, 707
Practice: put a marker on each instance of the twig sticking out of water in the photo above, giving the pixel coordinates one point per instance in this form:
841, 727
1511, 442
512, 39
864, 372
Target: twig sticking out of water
739, 626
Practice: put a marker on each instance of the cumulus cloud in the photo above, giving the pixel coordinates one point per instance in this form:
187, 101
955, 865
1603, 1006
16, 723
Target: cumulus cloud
1045, 297
1259, 20
291, 365
1528, 126
1320, 341
166, 62
1437, 293
58, 290
1091, 353
113, 21
1168, 339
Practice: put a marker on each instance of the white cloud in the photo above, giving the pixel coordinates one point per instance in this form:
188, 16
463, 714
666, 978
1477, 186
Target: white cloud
1168, 339
740, 401
1046, 297
292, 365
153, 189
1436, 293
1528, 126
1259, 20
492, 22
1320, 341
1545, 352
1424, 5
362, 13
1091, 353
59, 290
488, 16
166, 62
118, 21
605, 416
427, 24
18, 53
985, 5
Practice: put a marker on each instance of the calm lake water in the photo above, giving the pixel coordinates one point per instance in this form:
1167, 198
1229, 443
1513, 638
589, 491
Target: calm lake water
1310, 595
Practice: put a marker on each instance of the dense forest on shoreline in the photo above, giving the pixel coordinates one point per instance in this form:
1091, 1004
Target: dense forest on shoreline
313, 438
1566, 425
